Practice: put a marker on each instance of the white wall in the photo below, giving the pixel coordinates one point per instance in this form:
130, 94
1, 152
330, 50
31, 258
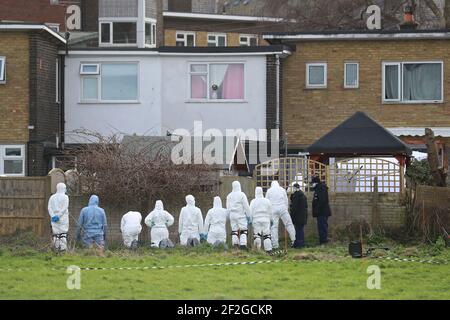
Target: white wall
164, 98
179, 113
143, 118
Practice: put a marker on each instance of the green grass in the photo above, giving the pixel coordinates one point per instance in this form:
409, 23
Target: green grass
298, 276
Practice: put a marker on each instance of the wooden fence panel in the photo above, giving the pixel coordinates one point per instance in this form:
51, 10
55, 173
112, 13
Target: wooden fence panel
23, 205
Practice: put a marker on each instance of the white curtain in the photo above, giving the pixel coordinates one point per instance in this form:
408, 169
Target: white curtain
216, 76
422, 81
391, 82
119, 81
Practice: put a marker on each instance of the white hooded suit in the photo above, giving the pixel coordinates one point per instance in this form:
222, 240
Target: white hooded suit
159, 220
239, 209
280, 203
58, 205
130, 225
190, 224
215, 223
261, 215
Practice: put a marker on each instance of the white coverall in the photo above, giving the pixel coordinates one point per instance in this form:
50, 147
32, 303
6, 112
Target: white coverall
190, 223
215, 223
130, 225
261, 215
159, 220
279, 200
237, 206
58, 205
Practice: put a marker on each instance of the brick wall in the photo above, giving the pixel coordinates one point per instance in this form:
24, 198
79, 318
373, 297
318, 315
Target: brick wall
271, 92
39, 11
201, 38
89, 15
309, 114
44, 111
14, 99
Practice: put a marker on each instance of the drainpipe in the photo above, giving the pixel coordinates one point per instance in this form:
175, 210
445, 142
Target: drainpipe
277, 122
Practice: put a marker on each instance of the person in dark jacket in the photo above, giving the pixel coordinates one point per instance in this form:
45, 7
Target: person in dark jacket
321, 208
299, 215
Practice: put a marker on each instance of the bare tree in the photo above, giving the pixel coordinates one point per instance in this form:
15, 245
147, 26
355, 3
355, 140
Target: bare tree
136, 174
438, 174
350, 14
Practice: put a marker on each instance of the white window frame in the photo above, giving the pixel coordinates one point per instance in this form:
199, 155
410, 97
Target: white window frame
3, 70
208, 91
356, 86
97, 72
216, 41
317, 86
249, 37
152, 23
3, 157
185, 34
99, 84
111, 21
400, 82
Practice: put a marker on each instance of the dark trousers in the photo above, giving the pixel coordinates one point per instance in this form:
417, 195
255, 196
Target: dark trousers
299, 236
322, 227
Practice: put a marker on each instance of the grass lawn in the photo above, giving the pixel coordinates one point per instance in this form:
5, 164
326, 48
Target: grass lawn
297, 276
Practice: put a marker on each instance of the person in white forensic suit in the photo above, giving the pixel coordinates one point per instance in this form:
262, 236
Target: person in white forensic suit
131, 228
261, 215
159, 220
239, 209
215, 229
280, 204
58, 209
190, 223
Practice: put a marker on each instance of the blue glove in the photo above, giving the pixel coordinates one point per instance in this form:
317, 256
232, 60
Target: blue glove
249, 221
55, 219
203, 236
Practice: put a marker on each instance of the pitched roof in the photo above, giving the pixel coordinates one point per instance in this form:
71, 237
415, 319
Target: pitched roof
23, 26
360, 135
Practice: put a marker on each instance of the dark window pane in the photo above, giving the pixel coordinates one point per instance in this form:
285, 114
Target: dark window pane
13, 152
124, 32
13, 166
253, 41
106, 33
148, 33
190, 40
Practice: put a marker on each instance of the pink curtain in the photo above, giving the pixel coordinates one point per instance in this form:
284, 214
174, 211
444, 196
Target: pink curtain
233, 83
198, 87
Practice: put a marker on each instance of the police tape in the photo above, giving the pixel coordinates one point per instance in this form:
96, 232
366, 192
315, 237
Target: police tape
226, 264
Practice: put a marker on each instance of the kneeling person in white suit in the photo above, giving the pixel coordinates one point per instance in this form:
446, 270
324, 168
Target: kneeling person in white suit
190, 224
239, 209
215, 223
159, 220
130, 226
261, 215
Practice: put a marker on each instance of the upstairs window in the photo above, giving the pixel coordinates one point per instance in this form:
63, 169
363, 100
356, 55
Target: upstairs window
248, 40
351, 75
150, 33
109, 82
217, 40
12, 160
185, 39
119, 33
2, 69
217, 81
316, 75
413, 82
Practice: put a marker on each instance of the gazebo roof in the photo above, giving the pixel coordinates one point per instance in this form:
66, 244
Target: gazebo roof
360, 135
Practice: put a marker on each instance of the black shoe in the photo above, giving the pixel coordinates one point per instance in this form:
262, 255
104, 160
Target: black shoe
243, 247
270, 253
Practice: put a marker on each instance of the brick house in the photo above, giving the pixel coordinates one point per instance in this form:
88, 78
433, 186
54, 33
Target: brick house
202, 23
30, 98
398, 78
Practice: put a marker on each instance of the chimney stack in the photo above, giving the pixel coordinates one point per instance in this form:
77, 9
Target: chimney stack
408, 20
